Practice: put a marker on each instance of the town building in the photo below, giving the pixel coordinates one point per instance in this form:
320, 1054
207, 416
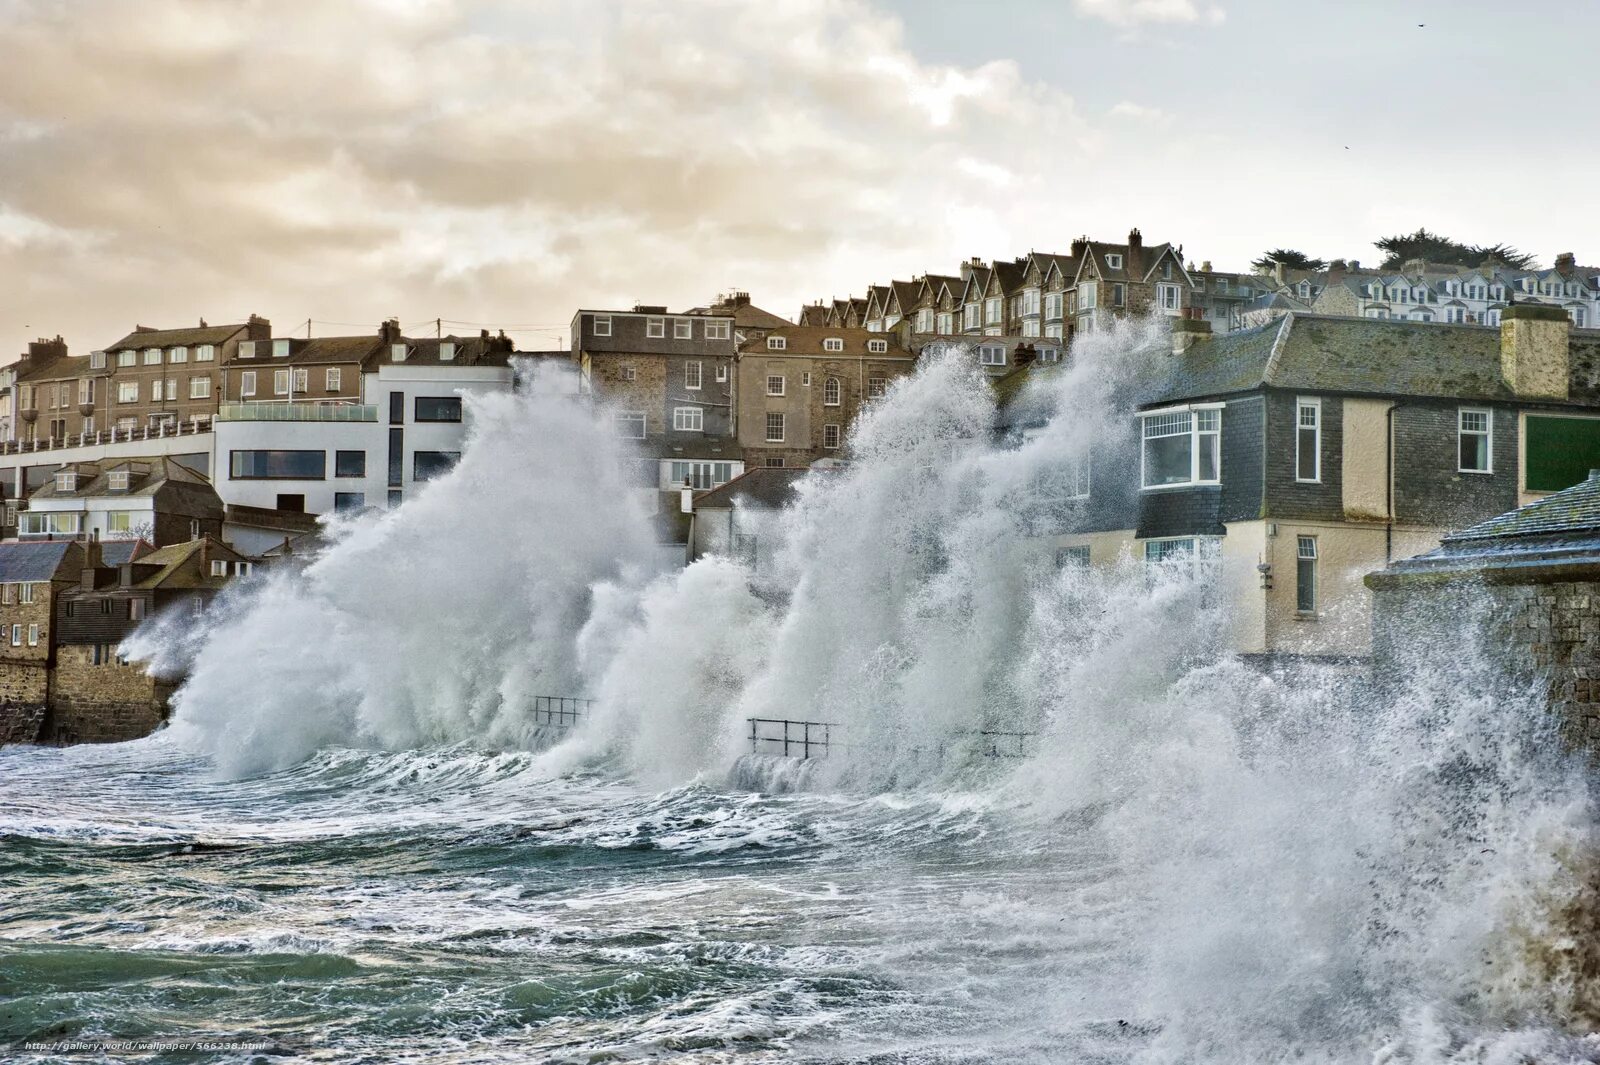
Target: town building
738, 519
1293, 458
156, 499
800, 388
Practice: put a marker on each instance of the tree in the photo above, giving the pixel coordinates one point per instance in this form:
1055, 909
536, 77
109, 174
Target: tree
1294, 260
1399, 250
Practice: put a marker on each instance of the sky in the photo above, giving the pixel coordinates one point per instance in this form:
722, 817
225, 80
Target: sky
498, 164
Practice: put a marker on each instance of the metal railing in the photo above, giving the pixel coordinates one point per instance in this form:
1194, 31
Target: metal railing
792, 739
1005, 744
297, 412
162, 430
559, 711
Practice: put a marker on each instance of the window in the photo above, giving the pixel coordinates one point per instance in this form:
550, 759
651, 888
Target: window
1305, 575
119, 521
722, 373
152, 356
877, 347
688, 419
344, 502
278, 465
1049, 354
628, 373
219, 568
832, 344
991, 311
426, 465
280, 349
969, 314
1476, 437
1114, 262
1308, 440
398, 352
1198, 553
774, 427
602, 325
774, 462
682, 329
946, 322
280, 382
447, 351
33, 636
1167, 296
718, 330
1119, 294
25, 593
244, 569
830, 436
701, 476
136, 612
1052, 305
1181, 447
8, 594
805, 379
629, 424
199, 387
86, 390
349, 463
775, 384
1072, 558
332, 379
692, 375
205, 353
66, 481
992, 354
830, 392
877, 385
655, 328
1088, 295
302, 382
777, 343
16, 636
97, 360
247, 384
126, 358
437, 408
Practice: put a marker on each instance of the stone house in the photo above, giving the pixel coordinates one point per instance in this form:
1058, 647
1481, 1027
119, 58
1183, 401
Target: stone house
97, 695
1291, 459
32, 575
1126, 281
799, 390
157, 499
172, 375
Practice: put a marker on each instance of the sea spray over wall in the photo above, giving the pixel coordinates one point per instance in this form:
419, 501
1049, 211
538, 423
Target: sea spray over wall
433, 623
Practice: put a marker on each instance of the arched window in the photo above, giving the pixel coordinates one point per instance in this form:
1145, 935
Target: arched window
830, 392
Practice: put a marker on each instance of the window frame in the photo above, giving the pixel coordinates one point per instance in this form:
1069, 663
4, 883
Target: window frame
681, 419
694, 375
782, 388
1305, 575
832, 386
683, 329
618, 418
1313, 404
835, 431
600, 325
1194, 433
878, 347
782, 425
655, 328
1487, 433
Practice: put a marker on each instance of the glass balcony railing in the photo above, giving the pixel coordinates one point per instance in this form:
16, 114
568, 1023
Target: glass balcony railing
296, 412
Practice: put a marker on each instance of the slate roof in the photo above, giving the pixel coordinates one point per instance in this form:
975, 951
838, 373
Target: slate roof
1363, 356
116, 552
166, 338
807, 340
170, 569
29, 562
95, 479
763, 488
1574, 510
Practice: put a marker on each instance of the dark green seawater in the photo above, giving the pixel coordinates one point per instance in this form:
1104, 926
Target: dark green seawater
455, 906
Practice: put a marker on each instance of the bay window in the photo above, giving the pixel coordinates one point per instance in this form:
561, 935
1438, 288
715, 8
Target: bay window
1181, 447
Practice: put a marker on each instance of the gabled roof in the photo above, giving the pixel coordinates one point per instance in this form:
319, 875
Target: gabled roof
26, 562
903, 296
116, 552
146, 478
763, 488
807, 340
179, 565
166, 338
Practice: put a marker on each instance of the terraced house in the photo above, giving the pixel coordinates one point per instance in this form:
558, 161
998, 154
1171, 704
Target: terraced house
1293, 458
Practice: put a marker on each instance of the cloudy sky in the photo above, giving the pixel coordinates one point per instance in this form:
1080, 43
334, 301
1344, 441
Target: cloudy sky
503, 163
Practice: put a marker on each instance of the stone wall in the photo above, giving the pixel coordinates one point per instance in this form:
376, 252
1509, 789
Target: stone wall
102, 703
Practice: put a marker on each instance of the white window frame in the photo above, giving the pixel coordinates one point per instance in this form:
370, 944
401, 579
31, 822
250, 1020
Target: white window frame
205, 353
718, 330
1313, 406
688, 420
332, 379
782, 384
722, 373
832, 392
832, 344
152, 356
280, 382
247, 383
1195, 413
127, 391
1305, 550
831, 430
877, 347
618, 418
782, 425
655, 328
1169, 298
991, 354
683, 329
302, 380
178, 354
33, 635
1113, 261
877, 385
447, 351
1487, 432
280, 349
693, 376
602, 325
777, 343
219, 567
199, 387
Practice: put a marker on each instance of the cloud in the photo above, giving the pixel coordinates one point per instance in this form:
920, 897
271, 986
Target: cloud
485, 161
1132, 13
1137, 112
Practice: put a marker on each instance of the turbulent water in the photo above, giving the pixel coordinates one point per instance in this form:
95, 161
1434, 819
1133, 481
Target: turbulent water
354, 842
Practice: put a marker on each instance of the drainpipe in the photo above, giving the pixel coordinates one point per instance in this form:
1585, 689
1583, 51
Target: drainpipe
1388, 485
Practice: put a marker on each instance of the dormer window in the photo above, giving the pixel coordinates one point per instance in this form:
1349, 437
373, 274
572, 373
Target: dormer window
992, 355
447, 351
833, 344
247, 349
66, 481
397, 352
97, 360
682, 329
179, 354
118, 480
152, 356
280, 349
878, 346
1113, 262
602, 325
777, 343
1049, 354
655, 328
205, 353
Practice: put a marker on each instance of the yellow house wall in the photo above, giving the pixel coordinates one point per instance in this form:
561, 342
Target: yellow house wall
1364, 481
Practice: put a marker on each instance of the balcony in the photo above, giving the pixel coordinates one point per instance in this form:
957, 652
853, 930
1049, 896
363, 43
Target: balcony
162, 430
296, 412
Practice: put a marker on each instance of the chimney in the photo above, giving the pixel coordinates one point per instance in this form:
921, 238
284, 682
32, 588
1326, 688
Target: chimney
1135, 253
1024, 354
1355, 264
969, 266
43, 352
1533, 350
1277, 271
1566, 264
1205, 267
257, 328
203, 323
1187, 332
1080, 246
92, 560
1337, 271
389, 331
